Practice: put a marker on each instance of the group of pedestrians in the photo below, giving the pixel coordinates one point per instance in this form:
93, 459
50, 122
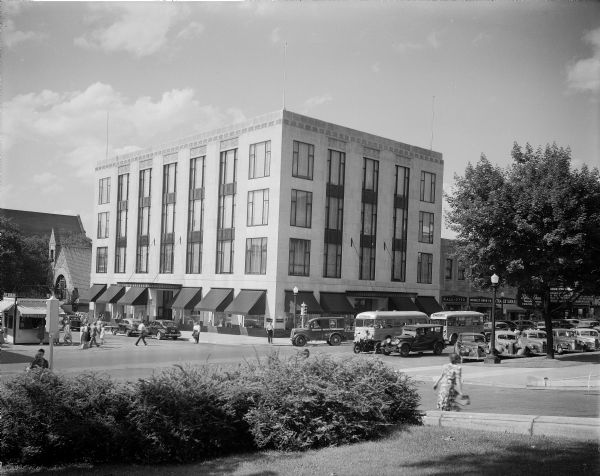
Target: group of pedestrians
91, 333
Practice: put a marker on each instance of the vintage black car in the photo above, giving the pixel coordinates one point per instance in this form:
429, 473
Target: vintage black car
163, 329
129, 327
415, 338
328, 329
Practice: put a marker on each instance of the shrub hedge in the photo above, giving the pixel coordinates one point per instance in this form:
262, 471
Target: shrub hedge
191, 413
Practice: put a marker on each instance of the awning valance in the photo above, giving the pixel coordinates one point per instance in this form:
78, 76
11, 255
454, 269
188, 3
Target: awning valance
135, 297
216, 300
428, 304
187, 298
306, 297
91, 294
111, 295
31, 308
513, 308
401, 303
336, 303
248, 302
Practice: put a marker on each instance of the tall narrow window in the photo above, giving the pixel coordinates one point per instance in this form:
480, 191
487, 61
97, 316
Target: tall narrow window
299, 262
195, 213
334, 214
424, 268
103, 225
226, 211
167, 233
256, 256
260, 160
101, 259
427, 187
461, 272
301, 209
122, 208
448, 272
258, 207
104, 191
143, 224
425, 227
400, 223
368, 234
303, 160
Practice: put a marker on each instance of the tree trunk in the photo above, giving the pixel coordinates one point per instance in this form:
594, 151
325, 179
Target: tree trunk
548, 322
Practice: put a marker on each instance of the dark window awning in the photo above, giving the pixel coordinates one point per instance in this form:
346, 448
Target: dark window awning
306, 297
428, 304
336, 303
91, 294
401, 303
187, 298
248, 302
216, 300
512, 308
111, 295
135, 297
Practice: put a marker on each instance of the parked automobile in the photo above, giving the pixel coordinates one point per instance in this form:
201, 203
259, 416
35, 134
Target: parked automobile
366, 344
470, 345
416, 338
588, 338
74, 323
589, 323
500, 326
532, 342
129, 327
565, 341
506, 343
163, 329
329, 329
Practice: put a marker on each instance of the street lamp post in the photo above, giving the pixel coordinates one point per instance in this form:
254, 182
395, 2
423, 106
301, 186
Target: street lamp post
295, 296
492, 358
502, 305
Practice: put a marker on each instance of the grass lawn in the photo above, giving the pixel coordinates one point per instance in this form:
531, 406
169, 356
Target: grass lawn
415, 451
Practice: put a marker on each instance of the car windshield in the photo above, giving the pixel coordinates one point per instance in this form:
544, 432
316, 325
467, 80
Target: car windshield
410, 332
589, 333
167, 323
473, 338
565, 333
536, 335
507, 337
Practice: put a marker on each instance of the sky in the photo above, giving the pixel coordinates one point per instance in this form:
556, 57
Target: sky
463, 78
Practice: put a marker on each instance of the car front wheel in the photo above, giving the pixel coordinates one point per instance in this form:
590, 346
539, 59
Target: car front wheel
159, 335
300, 341
438, 348
404, 350
357, 348
114, 332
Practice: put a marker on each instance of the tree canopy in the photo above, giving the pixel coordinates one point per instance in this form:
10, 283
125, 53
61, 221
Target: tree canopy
537, 222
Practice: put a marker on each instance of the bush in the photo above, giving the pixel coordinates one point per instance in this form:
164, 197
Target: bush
190, 413
183, 415
310, 403
46, 418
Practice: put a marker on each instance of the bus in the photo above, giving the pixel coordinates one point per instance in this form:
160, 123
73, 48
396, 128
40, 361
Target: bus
457, 322
379, 325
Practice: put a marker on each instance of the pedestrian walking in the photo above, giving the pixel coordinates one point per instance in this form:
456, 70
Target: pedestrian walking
93, 335
39, 361
142, 331
196, 332
67, 337
270, 332
85, 336
450, 384
41, 331
102, 334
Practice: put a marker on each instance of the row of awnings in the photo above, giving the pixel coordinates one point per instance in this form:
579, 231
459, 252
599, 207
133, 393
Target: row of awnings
252, 302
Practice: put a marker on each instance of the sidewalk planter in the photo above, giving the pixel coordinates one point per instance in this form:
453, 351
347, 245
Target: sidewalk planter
562, 427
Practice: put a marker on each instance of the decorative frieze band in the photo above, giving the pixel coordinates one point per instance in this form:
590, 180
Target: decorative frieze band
230, 143
170, 158
370, 152
123, 169
198, 151
146, 164
336, 144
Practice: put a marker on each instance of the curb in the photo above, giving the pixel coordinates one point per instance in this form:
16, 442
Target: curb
583, 429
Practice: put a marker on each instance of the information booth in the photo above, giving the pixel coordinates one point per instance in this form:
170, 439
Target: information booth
23, 326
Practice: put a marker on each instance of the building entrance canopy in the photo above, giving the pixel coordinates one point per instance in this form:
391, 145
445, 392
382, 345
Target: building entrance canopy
111, 295
428, 304
187, 298
306, 297
216, 300
135, 297
248, 302
336, 303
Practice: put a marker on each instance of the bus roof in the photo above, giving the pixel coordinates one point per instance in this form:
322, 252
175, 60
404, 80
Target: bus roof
447, 314
383, 314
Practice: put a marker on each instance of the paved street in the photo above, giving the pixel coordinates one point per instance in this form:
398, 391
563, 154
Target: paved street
514, 386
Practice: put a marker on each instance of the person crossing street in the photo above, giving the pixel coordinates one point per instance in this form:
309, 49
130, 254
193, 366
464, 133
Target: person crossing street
142, 331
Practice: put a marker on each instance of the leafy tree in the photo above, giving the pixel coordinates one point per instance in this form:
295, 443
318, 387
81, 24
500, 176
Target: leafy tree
24, 264
537, 222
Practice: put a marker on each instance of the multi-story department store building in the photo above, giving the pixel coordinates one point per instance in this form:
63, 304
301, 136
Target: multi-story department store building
222, 226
